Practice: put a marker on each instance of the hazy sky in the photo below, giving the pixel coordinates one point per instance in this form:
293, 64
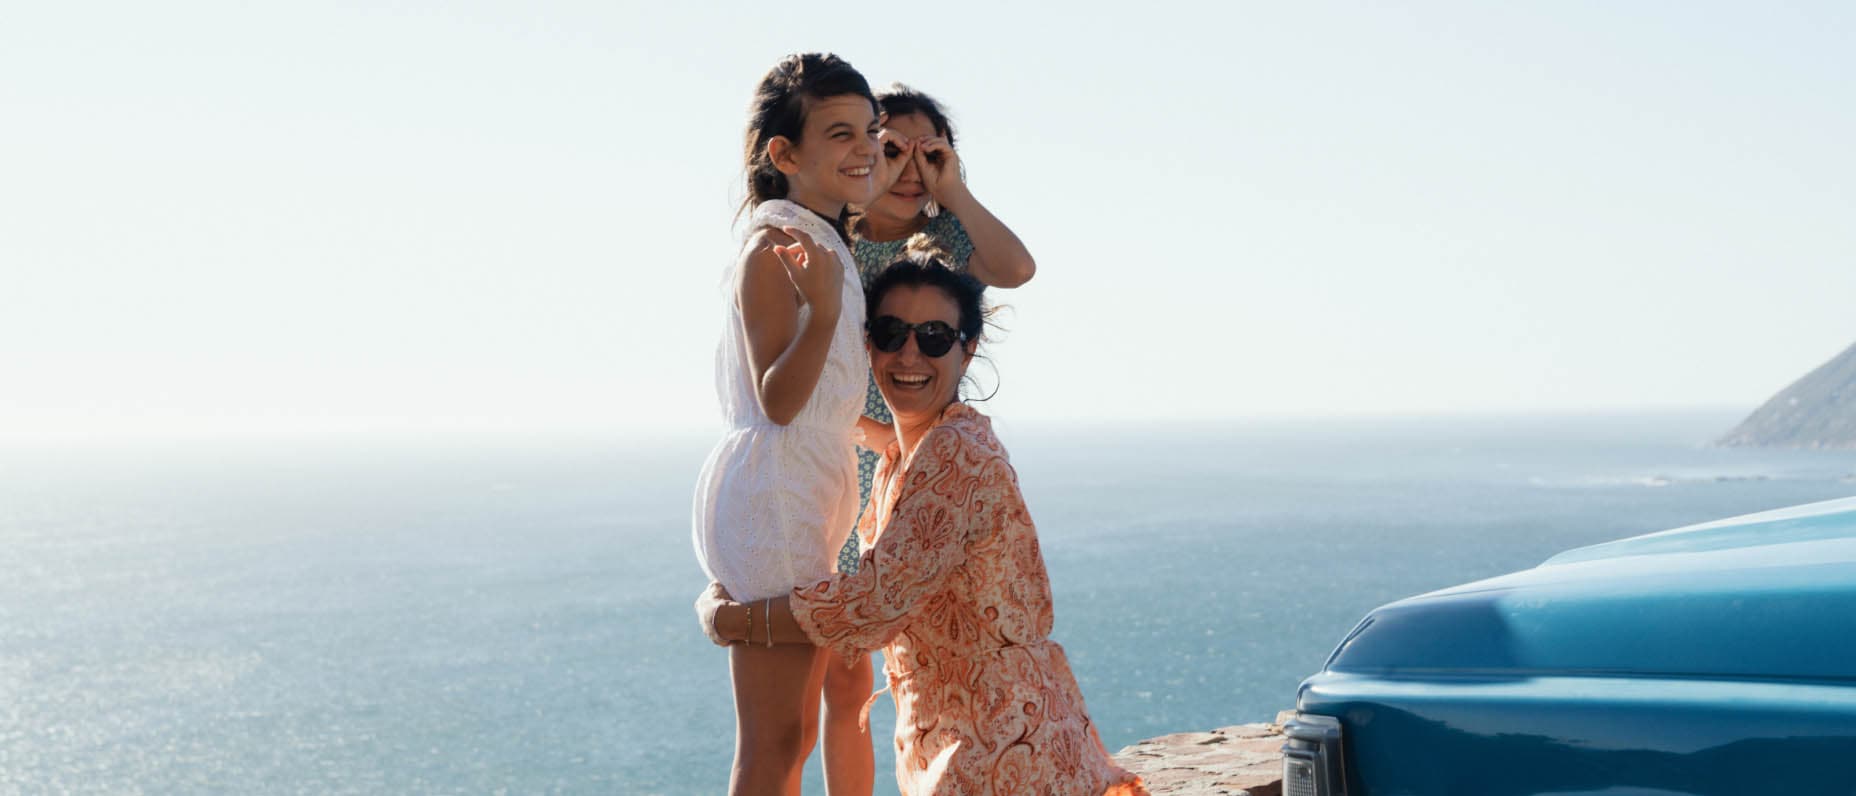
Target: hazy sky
238, 216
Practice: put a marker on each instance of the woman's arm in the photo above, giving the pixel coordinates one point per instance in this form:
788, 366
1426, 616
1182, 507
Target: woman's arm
947, 491
785, 357
922, 549
999, 258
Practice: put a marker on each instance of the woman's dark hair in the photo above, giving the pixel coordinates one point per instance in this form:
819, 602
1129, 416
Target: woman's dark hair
923, 266
900, 100
779, 109
924, 269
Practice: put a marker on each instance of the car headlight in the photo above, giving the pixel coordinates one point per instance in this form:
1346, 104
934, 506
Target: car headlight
1311, 764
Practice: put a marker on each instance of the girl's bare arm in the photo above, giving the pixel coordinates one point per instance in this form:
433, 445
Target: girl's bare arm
999, 258
785, 356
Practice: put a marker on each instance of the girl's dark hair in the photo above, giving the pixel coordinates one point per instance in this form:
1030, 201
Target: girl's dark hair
779, 109
900, 100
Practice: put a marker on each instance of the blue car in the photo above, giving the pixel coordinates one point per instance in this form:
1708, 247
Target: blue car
1714, 659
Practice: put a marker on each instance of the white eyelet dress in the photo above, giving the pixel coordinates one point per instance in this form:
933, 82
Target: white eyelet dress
775, 503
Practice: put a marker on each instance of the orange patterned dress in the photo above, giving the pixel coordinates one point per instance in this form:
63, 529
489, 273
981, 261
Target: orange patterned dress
952, 587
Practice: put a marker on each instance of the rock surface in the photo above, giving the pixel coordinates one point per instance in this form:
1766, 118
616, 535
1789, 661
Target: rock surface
1817, 411
1242, 760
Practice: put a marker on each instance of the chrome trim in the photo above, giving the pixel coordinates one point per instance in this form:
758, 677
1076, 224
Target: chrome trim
1311, 756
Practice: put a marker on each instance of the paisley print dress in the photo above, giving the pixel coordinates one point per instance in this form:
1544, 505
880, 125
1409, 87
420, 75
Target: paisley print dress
954, 591
945, 232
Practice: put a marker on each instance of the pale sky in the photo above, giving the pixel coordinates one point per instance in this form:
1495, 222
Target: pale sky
232, 217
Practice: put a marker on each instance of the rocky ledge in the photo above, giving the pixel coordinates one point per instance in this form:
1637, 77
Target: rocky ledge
1241, 760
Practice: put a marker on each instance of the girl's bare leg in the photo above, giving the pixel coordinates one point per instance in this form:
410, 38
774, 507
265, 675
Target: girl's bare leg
809, 728
776, 716
850, 764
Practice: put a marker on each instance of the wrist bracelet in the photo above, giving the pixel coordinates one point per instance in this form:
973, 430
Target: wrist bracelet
750, 607
768, 619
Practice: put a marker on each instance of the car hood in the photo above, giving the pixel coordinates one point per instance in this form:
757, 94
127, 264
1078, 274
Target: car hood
1765, 596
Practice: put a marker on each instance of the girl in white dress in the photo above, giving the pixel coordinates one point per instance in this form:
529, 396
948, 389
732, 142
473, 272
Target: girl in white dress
778, 494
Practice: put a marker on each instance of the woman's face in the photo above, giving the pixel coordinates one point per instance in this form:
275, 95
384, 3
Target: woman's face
833, 161
918, 387
906, 197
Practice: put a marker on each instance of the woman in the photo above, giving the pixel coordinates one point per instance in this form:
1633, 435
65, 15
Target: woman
953, 587
924, 201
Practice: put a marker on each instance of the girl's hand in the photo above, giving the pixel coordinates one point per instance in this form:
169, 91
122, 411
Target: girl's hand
711, 601
815, 271
939, 166
889, 167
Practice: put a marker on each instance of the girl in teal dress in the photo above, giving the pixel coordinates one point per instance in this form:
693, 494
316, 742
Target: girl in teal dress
927, 204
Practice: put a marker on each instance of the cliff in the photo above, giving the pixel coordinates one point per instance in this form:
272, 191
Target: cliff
1817, 411
1243, 760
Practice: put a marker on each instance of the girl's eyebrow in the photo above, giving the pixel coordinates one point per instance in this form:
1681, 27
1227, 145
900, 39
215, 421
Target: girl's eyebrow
835, 125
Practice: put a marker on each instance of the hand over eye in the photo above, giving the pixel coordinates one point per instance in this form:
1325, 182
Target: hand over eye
939, 166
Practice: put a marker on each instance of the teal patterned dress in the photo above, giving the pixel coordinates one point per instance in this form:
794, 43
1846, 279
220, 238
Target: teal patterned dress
947, 233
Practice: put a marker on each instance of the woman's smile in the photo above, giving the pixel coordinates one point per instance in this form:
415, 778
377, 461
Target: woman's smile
916, 386
909, 381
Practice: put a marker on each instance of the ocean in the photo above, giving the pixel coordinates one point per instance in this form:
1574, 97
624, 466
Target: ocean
503, 615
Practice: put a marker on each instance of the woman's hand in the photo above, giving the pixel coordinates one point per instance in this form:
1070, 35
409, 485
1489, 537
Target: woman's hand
939, 166
877, 436
815, 271
709, 604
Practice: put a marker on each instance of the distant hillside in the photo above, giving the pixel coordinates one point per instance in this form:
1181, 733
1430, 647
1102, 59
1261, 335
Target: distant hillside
1817, 411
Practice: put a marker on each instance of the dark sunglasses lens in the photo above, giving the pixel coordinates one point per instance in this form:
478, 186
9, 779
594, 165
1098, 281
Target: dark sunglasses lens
934, 338
888, 333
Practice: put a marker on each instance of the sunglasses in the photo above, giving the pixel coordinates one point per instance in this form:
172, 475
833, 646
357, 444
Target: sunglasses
934, 338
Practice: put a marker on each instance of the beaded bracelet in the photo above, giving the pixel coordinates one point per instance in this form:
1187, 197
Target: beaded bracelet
750, 638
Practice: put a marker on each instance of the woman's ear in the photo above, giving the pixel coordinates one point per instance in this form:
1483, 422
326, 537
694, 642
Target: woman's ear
783, 155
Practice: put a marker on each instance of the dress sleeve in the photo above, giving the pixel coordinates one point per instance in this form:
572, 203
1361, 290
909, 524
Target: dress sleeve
946, 491
948, 234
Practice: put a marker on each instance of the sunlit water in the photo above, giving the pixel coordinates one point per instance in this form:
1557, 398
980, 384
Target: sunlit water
465, 616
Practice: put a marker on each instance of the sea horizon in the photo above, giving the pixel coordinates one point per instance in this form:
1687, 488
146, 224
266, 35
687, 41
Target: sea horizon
481, 613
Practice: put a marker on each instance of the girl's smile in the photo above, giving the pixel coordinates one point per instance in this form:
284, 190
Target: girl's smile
833, 163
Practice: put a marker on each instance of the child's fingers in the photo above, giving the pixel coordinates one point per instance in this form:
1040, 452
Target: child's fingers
938, 151
890, 137
902, 146
792, 259
805, 241
814, 253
